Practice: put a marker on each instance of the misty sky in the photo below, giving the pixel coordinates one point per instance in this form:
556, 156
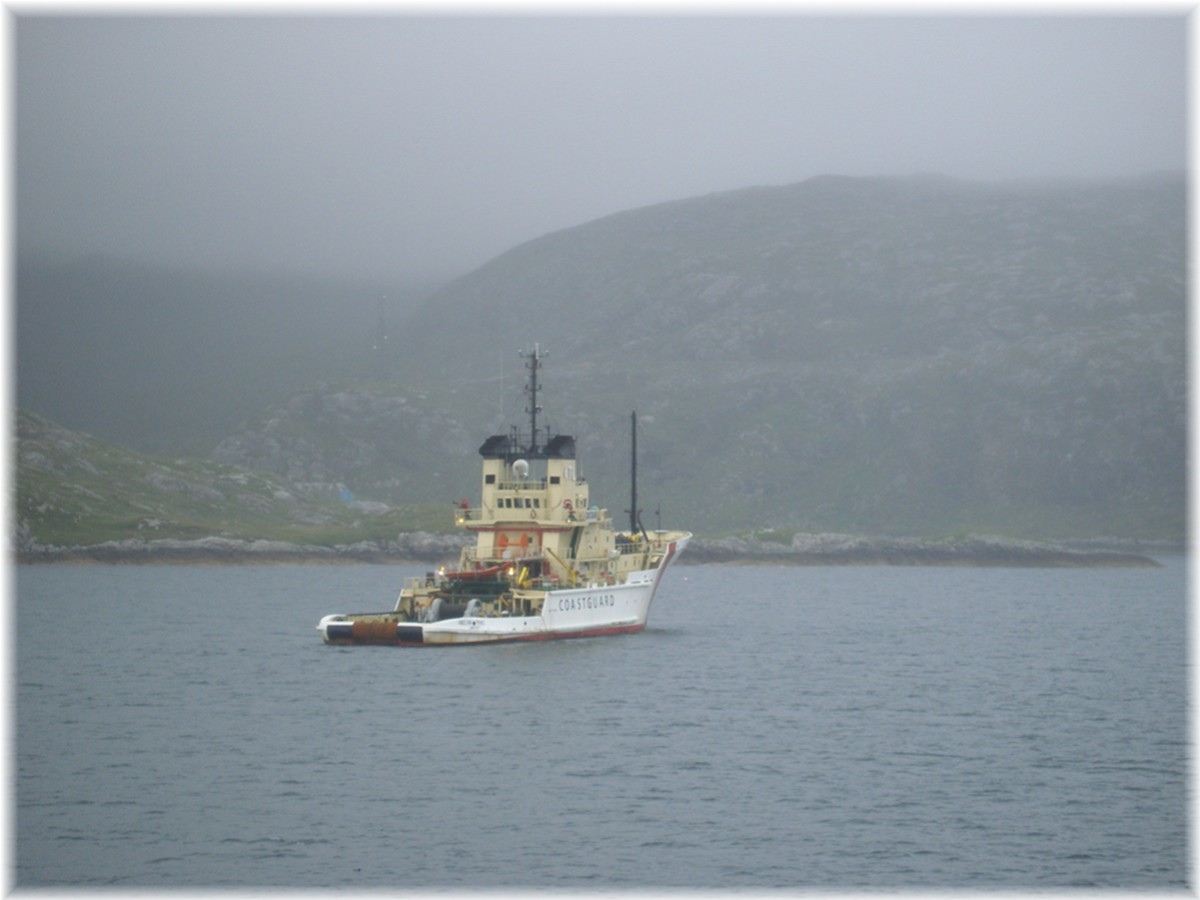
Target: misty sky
397, 145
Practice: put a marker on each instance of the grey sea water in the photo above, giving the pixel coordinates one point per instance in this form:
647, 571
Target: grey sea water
840, 728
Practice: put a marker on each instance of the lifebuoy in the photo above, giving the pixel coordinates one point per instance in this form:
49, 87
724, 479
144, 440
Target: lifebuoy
533, 514
567, 505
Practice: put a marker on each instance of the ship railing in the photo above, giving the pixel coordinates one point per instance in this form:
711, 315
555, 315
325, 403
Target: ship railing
630, 549
464, 517
655, 544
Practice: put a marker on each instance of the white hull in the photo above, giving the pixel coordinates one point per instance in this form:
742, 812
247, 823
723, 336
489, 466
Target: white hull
578, 612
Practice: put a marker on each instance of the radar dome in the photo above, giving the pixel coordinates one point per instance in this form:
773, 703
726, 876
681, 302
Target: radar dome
521, 469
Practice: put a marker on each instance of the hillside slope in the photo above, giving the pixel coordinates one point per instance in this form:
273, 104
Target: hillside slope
909, 356
73, 489
80, 499
828, 272
168, 360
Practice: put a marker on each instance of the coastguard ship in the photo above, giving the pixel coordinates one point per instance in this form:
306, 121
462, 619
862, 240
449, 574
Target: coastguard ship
546, 562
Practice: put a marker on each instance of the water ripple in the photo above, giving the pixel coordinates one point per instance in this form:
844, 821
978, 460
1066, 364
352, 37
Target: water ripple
889, 729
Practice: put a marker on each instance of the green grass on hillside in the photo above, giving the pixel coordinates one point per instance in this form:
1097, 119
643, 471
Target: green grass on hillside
72, 489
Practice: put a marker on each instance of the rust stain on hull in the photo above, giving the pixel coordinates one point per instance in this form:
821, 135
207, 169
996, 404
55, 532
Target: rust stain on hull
373, 631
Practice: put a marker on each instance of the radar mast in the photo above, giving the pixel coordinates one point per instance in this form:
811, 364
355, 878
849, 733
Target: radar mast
533, 363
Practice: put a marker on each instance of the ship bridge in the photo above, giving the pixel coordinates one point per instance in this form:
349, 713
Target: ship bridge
523, 485
533, 499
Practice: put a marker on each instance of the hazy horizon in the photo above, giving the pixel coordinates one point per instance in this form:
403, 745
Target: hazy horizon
403, 145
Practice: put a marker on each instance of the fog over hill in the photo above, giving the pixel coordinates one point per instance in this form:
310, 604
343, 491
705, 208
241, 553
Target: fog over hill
914, 356
829, 271
170, 360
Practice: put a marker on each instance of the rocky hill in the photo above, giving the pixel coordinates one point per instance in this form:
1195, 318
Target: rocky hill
80, 499
902, 356
75, 491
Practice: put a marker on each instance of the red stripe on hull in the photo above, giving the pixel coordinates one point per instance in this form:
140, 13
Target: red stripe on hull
559, 635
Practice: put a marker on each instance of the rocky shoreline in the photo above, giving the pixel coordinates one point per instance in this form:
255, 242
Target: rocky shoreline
972, 550
414, 547
803, 550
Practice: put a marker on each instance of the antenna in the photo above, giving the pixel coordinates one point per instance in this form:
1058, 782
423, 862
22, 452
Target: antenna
534, 363
634, 512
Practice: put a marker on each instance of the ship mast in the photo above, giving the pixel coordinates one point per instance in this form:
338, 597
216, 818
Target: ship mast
535, 362
634, 524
